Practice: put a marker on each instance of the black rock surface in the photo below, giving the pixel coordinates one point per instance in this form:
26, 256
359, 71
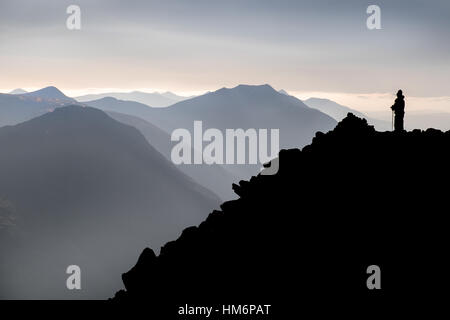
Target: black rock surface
305, 237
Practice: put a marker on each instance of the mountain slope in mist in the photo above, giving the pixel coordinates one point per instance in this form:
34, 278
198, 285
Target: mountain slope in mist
214, 178
245, 107
16, 108
49, 93
154, 99
86, 190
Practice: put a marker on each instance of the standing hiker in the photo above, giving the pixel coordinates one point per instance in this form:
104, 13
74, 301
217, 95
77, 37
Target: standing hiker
399, 109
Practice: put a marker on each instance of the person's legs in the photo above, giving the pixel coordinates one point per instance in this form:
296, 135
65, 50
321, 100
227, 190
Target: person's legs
398, 124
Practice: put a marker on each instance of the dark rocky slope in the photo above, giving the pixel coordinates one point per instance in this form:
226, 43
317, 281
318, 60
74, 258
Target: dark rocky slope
353, 198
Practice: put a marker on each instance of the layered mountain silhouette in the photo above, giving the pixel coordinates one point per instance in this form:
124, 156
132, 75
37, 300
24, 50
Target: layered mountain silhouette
16, 108
304, 238
134, 108
214, 178
49, 93
154, 99
257, 107
78, 187
245, 107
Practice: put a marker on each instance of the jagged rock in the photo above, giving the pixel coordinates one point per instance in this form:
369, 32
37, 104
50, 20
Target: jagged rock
132, 278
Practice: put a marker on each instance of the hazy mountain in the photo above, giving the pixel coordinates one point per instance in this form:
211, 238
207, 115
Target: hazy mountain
246, 107
257, 107
176, 97
134, 108
153, 99
16, 108
50, 93
18, 91
352, 199
155, 136
78, 187
339, 112
214, 178
283, 92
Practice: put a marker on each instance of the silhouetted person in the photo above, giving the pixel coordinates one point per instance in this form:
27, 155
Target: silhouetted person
399, 110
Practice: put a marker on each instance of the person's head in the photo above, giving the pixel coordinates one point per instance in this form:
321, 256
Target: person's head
399, 93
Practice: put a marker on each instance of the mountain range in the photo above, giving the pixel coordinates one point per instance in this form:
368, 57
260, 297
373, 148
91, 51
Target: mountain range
214, 178
245, 107
78, 187
154, 99
49, 94
91, 183
83, 187
256, 107
16, 108
337, 111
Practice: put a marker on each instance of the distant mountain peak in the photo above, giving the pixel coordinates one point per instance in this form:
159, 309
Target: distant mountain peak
48, 89
18, 91
284, 92
173, 96
154, 99
73, 113
248, 88
255, 86
49, 92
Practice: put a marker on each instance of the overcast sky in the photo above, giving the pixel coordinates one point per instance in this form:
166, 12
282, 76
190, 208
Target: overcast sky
197, 45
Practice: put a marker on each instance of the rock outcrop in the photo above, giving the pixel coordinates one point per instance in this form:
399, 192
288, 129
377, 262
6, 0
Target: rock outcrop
353, 198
